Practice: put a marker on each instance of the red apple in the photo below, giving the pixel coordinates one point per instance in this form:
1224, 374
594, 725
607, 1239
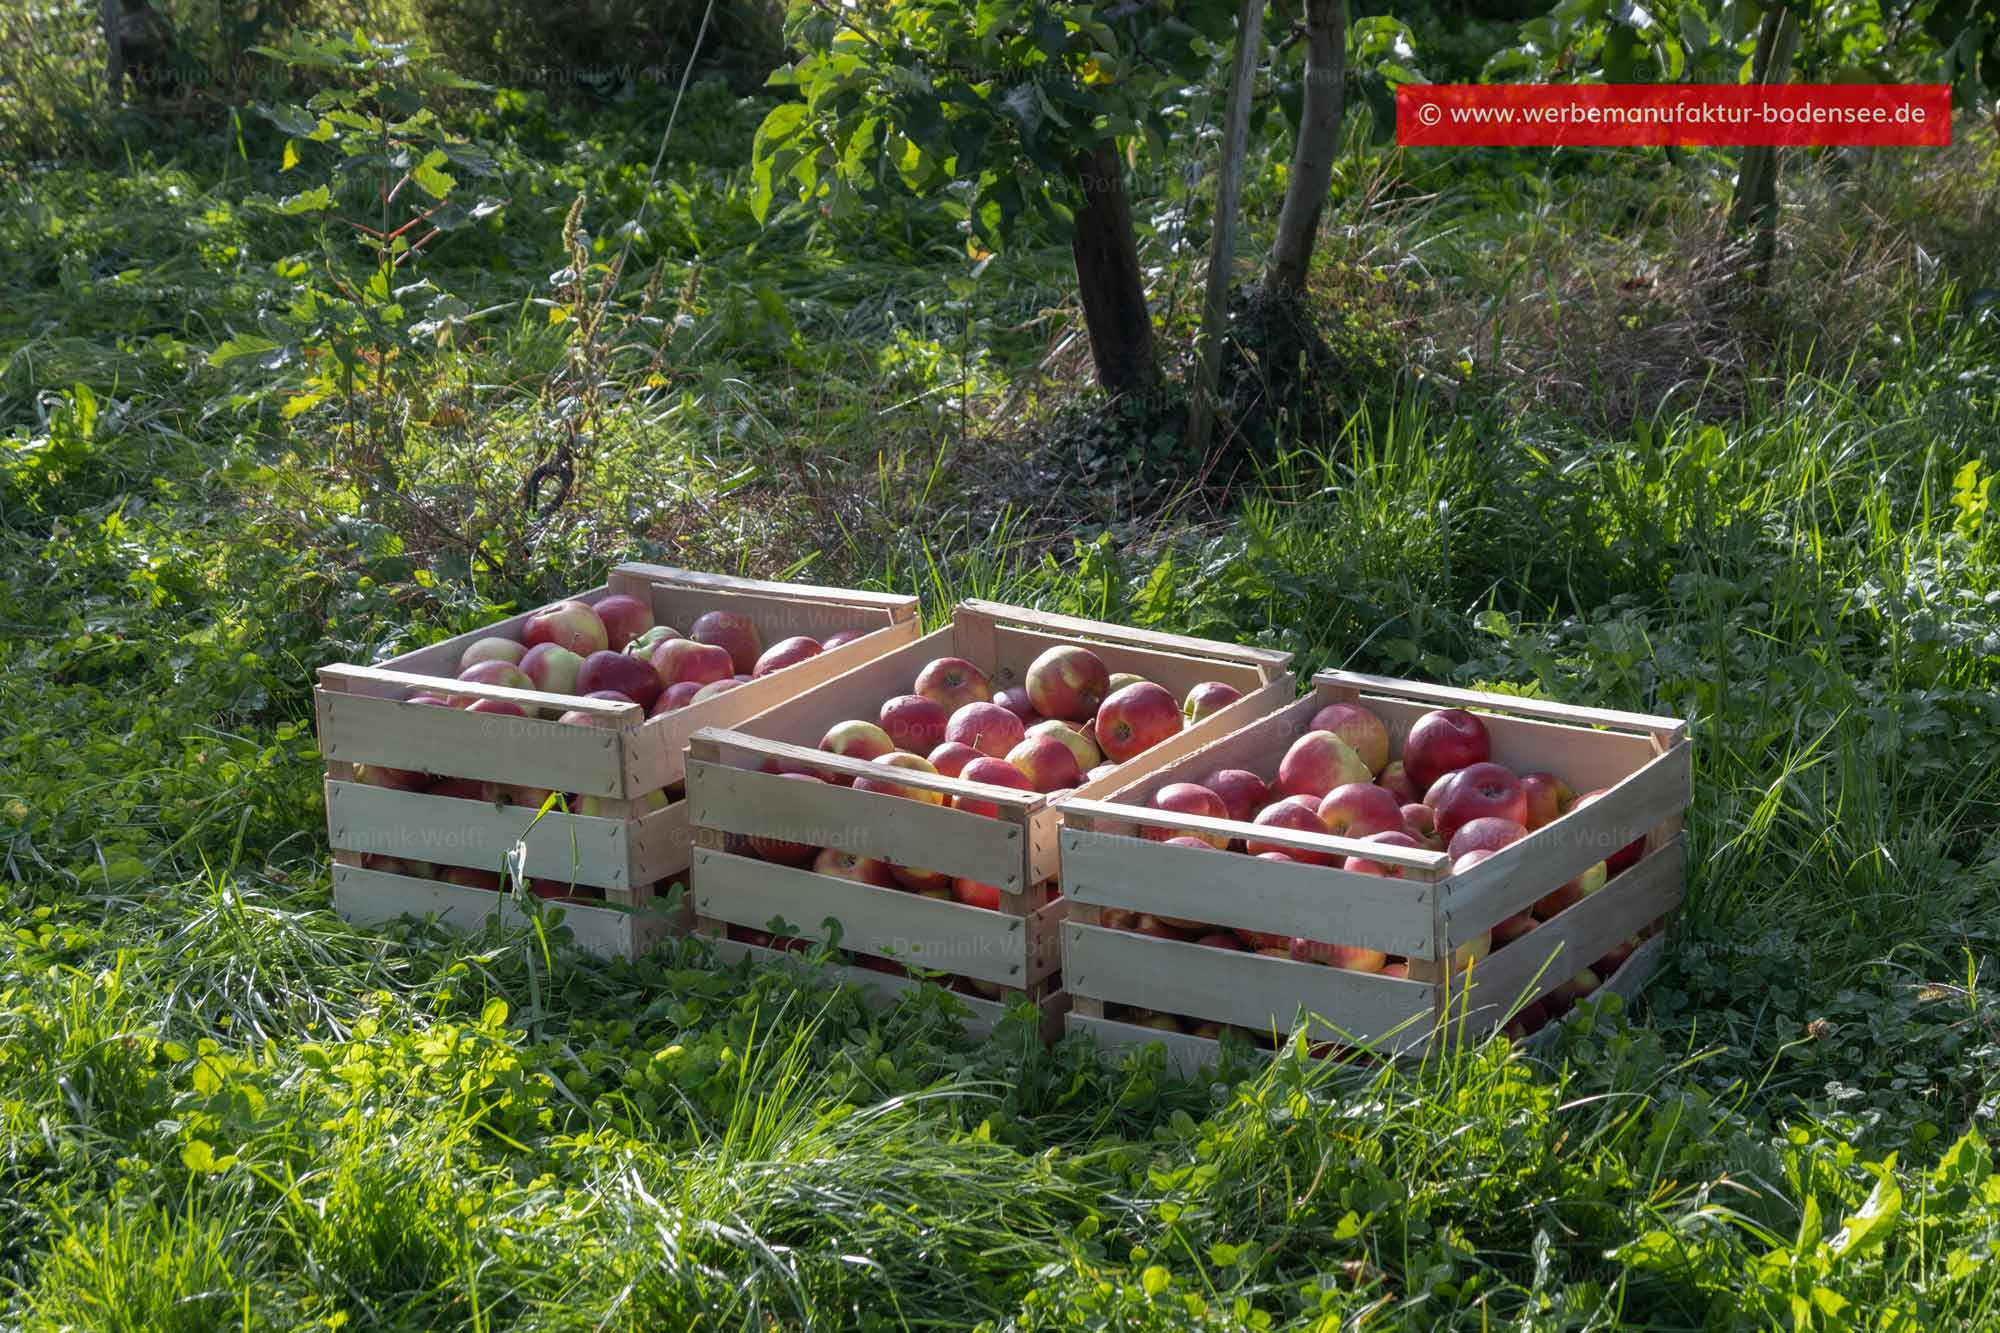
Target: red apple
1068, 682
914, 723
857, 739
495, 672
841, 637
951, 757
1513, 928
1221, 939
1085, 749
1489, 833
1135, 719
531, 797
1350, 957
467, 877
902, 759
1549, 799
678, 695
679, 660
1441, 740
843, 864
780, 851
502, 707
713, 688
1316, 763
1399, 969
974, 894
393, 779
388, 865
886, 966
1362, 865
786, 652
1435, 792
1531, 1018
1396, 779
1046, 761
1420, 824
491, 650
551, 667
1572, 893
621, 672
1298, 818
1481, 791
1243, 793
1207, 698
1016, 701
1148, 924
986, 727
624, 619
994, 773
928, 883
1461, 864
1357, 809
734, 633
572, 624
1187, 798
1364, 732
1625, 857
952, 682
1616, 957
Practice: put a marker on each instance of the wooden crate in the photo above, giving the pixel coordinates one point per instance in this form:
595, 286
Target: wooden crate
1645, 762
627, 852
1013, 950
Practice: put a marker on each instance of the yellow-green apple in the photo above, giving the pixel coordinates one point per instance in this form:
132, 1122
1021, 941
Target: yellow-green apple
679, 660
1316, 763
552, 668
644, 644
713, 688
1625, 857
841, 637
624, 619
1420, 823
1357, 809
782, 851
1441, 740
929, 883
1464, 956
1481, 791
494, 672
572, 624
1120, 679
951, 757
621, 672
1243, 793
1362, 865
678, 695
914, 723
1298, 819
994, 773
1208, 697
986, 727
843, 864
857, 739
393, 779
1016, 701
1549, 799
1187, 798
1396, 779
1572, 893
902, 759
952, 682
1080, 745
491, 649
1351, 957
974, 894
1135, 719
786, 652
734, 633
655, 799
499, 707
1488, 832
1360, 728
470, 878
1068, 682
1046, 761
1566, 996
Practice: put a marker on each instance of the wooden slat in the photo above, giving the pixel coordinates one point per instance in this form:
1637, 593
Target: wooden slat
881, 990
359, 728
899, 606
1270, 660
1241, 892
1574, 939
576, 849
1583, 758
383, 682
1008, 798
1417, 860
893, 828
885, 923
369, 897
1248, 990
857, 692
1669, 729
662, 844
1256, 744
1511, 879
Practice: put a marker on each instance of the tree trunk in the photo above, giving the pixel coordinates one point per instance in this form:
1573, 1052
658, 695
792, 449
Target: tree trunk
1107, 272
1312, 159
1222, 239
1756, 197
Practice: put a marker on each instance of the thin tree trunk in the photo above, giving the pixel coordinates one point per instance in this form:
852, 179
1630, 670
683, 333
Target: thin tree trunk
1756, 196
1222, 239
1107, 272
1312, 159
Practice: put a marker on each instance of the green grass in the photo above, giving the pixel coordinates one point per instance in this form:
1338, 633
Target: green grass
220, 1107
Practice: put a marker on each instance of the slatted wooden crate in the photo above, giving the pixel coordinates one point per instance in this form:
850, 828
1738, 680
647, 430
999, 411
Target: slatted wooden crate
1012, 951
626, 852
1645, 762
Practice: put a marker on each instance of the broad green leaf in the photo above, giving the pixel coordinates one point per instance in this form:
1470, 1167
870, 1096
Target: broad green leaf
1871, 1224
315, 200
430, 179
291, 156
1155, 1279
242, 345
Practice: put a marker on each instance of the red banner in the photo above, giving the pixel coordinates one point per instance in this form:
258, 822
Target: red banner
1587, 115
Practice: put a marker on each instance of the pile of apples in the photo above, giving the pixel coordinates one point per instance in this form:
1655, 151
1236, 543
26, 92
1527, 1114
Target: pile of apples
1072, 721
1338, 779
